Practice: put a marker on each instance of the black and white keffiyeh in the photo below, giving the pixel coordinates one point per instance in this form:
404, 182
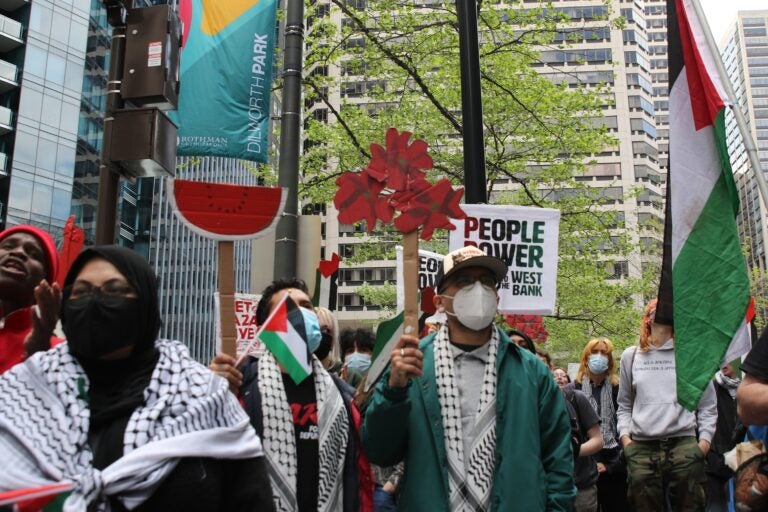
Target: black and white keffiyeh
280, 440
470, 476
187, 412
607, 411
728, 383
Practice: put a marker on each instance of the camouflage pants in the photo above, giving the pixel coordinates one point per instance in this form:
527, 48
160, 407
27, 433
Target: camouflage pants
670, 470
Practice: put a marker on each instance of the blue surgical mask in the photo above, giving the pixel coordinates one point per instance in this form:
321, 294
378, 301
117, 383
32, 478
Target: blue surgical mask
312, 328
358, 362
598, 364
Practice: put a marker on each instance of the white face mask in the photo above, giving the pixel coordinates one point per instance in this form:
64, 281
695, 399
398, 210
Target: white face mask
474, 306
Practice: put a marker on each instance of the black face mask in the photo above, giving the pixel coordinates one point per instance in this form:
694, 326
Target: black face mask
326, 344
96, 325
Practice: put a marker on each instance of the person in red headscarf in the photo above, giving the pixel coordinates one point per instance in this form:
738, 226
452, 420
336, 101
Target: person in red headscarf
29, 263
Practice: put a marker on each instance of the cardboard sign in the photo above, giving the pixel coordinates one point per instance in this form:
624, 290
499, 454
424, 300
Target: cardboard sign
245, 324
526, 238
429, 262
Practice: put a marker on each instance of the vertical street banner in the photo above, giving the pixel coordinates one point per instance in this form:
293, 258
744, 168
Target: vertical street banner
526, 238
226, 78
704, 288
245, 324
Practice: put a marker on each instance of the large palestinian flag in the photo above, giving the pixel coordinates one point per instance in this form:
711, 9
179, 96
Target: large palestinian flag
705, 284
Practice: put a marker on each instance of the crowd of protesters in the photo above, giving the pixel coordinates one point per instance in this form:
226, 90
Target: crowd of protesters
468, 418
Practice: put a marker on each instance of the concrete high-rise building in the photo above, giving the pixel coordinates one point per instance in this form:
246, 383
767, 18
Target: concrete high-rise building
42, 56
632, 61
745, 54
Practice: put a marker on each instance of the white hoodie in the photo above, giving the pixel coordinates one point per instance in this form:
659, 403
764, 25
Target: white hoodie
655, 413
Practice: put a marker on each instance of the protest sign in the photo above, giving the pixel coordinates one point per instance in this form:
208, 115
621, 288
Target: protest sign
245, 324
526, 238
429, 262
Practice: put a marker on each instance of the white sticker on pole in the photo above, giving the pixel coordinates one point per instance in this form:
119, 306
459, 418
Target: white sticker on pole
526, 238
155, 54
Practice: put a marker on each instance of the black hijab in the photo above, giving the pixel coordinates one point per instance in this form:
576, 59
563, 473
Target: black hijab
117, 387
139, 275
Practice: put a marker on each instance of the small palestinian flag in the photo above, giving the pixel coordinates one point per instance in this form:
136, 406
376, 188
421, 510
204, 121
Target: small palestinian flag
704, 289
47, 498
387, 335
285, 337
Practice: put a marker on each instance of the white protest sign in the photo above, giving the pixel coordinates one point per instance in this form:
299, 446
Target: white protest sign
245, 324
429, 262
526, 238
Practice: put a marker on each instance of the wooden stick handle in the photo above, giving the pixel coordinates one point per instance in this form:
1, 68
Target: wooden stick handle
227, 297
411, 282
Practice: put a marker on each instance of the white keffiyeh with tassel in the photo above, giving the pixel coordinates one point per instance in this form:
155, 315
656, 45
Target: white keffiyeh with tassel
187, 412
470, 476
280, 440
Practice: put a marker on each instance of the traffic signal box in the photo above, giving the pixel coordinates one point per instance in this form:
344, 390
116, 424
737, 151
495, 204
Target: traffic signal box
141, 138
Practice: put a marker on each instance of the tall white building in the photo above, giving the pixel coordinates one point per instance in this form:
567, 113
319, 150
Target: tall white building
745, 54
632, 60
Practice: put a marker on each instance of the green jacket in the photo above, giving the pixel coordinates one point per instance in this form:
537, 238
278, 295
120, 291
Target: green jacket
534, 464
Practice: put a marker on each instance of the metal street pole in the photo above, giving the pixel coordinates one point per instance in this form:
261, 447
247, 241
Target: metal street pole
109, 180
290, 140
471, 103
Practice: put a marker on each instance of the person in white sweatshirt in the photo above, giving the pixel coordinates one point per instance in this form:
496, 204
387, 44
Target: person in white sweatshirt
665, 445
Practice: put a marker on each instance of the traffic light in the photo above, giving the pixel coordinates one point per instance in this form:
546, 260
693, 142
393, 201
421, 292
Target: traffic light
142, 142
151, 61
139, 139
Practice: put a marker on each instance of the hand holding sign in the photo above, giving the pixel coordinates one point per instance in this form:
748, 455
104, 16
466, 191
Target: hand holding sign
407, 361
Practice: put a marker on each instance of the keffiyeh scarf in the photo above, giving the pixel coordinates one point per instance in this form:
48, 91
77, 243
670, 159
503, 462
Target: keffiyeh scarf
470, 476
607, 411
730, 384
280, 440
188, 412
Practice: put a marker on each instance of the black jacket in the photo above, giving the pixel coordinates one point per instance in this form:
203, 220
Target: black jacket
251, 398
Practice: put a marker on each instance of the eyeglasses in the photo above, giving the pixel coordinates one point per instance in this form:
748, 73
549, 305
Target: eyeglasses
112, 288
468, 280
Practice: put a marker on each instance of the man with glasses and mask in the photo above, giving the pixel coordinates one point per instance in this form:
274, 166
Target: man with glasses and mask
478, 420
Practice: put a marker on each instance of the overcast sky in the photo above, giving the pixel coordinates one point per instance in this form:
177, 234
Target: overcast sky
720, 13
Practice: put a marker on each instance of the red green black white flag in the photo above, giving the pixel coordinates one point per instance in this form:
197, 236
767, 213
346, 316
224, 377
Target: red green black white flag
285, 336
704, 290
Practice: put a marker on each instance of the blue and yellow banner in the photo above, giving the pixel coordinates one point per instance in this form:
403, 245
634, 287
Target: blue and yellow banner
226, 78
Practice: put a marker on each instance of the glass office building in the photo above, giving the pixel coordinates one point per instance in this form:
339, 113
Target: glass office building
42, 55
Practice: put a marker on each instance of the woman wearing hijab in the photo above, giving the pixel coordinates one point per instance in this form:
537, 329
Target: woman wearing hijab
598, 379
133, 422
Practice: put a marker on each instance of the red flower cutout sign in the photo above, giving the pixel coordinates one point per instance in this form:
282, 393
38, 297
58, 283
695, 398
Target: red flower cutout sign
530, 325
358, 199
399, 164
394, 181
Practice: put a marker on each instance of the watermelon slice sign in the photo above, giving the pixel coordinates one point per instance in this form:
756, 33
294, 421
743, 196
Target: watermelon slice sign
226, 212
